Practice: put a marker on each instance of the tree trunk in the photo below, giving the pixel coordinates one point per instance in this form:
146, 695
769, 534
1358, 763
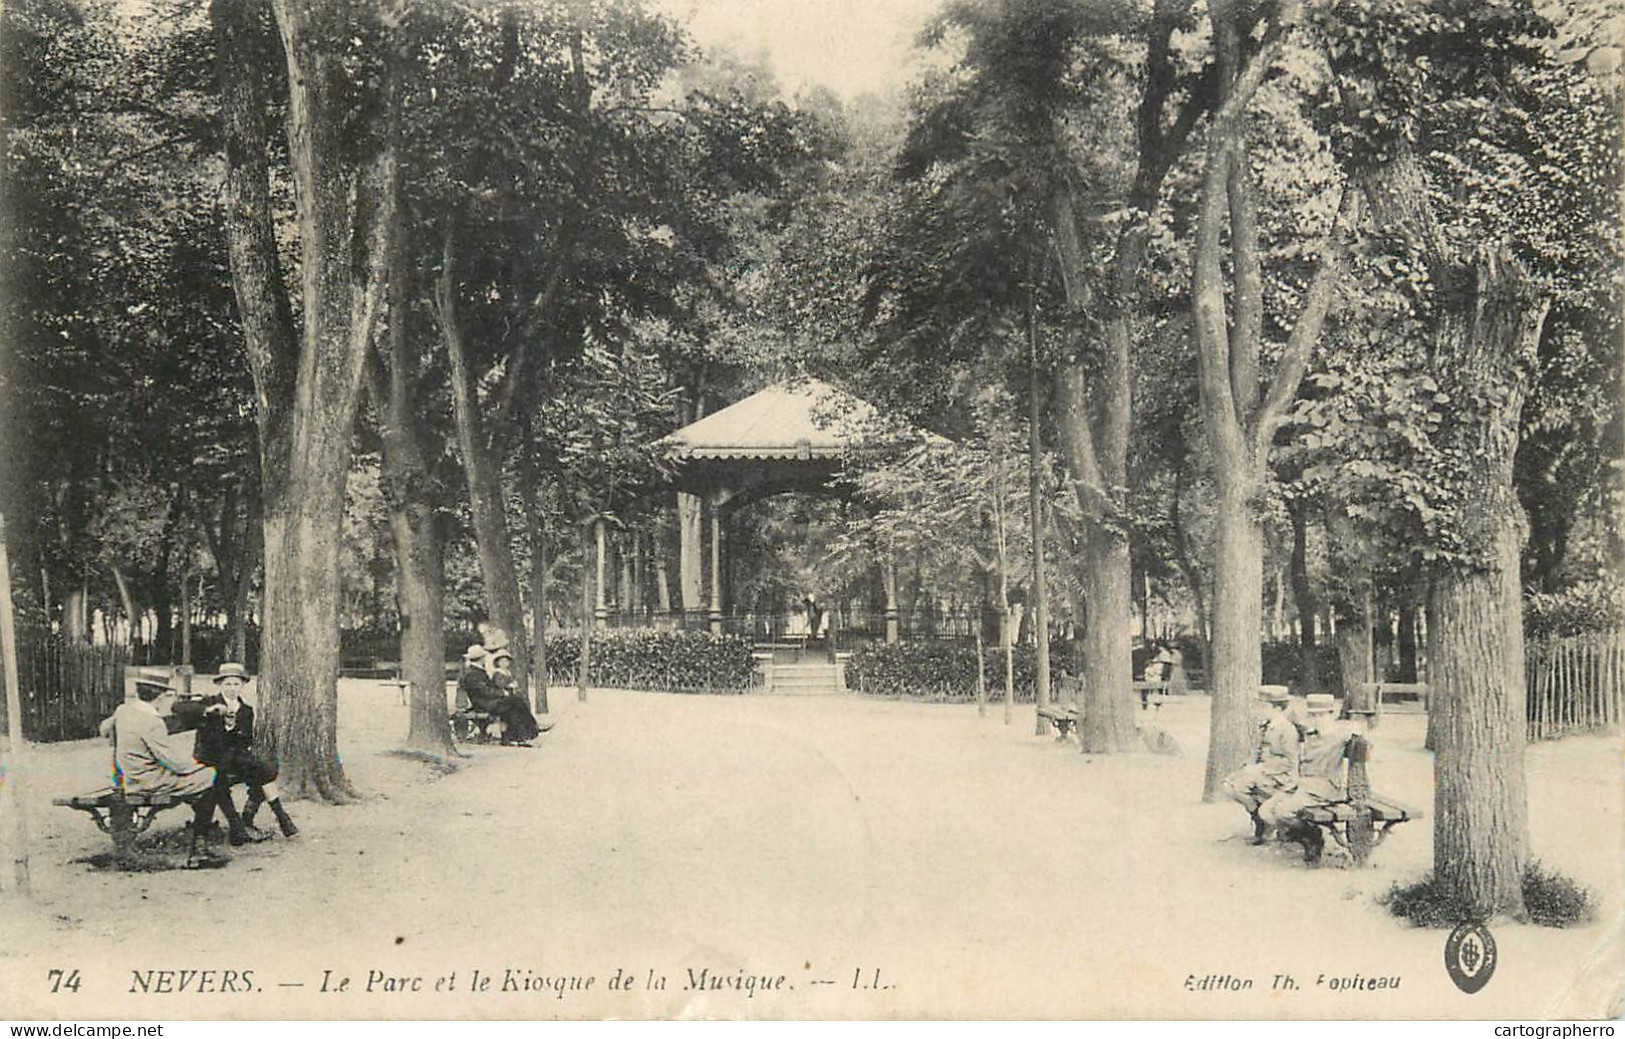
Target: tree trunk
1303, 598
126, 601
1481, 830
1353, 648
243, 52
74, 626
1108, 720
248, 560
1236, 668
1239, 414
662, 576
409, 493
1481, 827
1482, 348
1407, 641
421, 579
1106, 656
1035, 511
981, 664
483, 469
186, 619
691, 538
589, 551
344, 214
536, 500
1436, 691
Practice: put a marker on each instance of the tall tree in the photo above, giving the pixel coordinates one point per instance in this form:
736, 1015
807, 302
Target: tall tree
1038, 120
307, 379
1469, 96
1241, 407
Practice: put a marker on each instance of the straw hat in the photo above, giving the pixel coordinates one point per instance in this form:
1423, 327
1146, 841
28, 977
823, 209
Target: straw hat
1320, 703
155, 680
231, 671
1276, 694
475, 652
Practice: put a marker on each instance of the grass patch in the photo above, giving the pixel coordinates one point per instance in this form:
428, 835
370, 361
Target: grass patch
1551, 899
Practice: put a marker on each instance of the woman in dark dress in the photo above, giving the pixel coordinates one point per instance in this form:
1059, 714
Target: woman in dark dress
492, 694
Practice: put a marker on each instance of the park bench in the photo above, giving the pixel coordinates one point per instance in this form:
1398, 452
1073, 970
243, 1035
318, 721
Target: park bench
1358, 823
1413, 695
128, 815
1062, 716
470, 725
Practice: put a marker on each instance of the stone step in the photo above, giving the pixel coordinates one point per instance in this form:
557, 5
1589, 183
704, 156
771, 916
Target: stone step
804, 678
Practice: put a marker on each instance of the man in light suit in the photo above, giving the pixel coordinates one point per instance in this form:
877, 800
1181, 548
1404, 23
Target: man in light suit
1274, 767
148, 758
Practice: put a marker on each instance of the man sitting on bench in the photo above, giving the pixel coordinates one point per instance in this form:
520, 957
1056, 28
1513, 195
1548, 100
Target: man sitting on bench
484, 694
148, 759
225, 741
1274, 768
1320, 766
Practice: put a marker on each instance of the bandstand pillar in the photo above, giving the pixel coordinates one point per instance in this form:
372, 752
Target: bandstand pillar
600, 611
889, 579
716, 570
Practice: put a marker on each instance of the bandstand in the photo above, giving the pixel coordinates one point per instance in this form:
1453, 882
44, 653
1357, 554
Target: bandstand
790, 437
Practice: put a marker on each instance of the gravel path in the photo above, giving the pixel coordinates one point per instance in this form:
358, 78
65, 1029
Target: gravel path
789, 848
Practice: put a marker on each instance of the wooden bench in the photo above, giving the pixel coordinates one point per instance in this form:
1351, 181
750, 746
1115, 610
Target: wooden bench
1414, 695
469, 724
123, 809
1360, 822
1062, 716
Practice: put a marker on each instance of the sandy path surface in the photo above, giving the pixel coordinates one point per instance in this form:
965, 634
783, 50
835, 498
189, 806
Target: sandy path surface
790, 847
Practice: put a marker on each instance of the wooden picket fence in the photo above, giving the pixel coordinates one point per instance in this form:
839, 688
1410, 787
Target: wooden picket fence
1574, 683
67, 687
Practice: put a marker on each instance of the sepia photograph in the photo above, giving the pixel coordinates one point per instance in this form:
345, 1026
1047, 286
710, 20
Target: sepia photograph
808, 510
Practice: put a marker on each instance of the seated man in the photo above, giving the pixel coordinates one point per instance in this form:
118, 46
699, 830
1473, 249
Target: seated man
499, 701
148, 759
226, 741
1274, 767
1320, 767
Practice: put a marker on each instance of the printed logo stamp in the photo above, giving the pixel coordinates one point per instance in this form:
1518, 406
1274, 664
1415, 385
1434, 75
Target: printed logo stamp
1469, 957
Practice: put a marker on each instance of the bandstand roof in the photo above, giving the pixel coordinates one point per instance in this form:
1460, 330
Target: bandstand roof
801, 419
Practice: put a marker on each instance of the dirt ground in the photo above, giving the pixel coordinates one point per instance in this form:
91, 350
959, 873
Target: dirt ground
789, 856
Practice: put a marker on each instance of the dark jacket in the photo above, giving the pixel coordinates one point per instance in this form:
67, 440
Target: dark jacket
217, 743
475, 686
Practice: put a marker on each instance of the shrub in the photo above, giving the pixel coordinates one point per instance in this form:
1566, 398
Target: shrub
1554, 900
1551, 899
1595, 606
945, 670
665, 661
1283, 665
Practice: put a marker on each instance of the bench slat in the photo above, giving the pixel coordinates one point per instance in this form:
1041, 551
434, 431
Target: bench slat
1342, 812
108, 798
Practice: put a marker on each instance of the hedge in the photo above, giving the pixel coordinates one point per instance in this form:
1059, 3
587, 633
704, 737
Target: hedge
1590, 607
944, 671
663, 661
